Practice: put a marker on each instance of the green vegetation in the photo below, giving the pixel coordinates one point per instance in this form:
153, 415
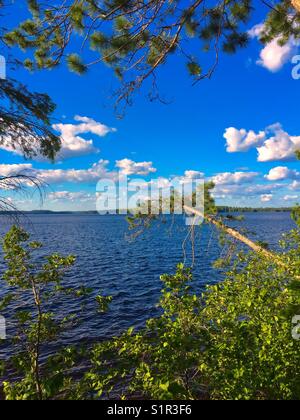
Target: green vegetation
136, 38
39, 327
233, 341
25, 127
232, 209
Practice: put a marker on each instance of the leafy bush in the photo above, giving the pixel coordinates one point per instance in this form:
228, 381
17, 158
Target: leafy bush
232, 341
37, 287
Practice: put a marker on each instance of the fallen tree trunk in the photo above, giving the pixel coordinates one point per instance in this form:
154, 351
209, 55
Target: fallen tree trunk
237, 235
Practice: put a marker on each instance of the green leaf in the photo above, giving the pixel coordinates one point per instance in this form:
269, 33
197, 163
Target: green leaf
194, 68
76, 64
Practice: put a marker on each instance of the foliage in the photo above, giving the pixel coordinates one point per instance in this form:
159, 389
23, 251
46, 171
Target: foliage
140, 221
233, 341
230, 341
39, 322
282, 23
250, 353
25, 124
136, 38
160, 361
24, 116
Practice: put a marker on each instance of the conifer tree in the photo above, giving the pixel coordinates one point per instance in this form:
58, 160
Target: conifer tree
25, 125
24, 115
135, 38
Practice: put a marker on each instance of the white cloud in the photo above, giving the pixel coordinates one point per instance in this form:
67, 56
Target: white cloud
72, 144
281, 173
290, 197
242, 190
190, 176
160, 182
129, 167
13, 170
90, 175
13, 176
227, 178
242, 140
280, 146
93, 174
55, 176
239, 185
265, 198
193, 174
271, 144
274, 56
71, 196
295, 185
262, 189
256, 31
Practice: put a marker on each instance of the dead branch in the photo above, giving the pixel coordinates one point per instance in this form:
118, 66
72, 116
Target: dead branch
238, 236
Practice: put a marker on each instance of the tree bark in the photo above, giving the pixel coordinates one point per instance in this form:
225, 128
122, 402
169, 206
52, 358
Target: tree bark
237, 235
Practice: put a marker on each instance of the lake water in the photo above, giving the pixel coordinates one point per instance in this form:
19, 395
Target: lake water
110, 263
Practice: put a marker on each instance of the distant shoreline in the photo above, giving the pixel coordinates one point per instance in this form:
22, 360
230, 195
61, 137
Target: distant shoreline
221, 209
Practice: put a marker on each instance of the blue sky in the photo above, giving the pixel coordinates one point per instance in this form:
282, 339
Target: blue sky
255, 167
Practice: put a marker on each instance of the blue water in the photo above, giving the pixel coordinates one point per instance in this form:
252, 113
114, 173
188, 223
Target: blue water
129, 270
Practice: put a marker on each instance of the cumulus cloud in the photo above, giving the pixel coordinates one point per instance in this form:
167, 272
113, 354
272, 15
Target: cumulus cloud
190, 174
129, 167
238, 185
274, 56
227, 178
72, 143
56, 176
281, 173
279, 146
190, 177
13, 170
89, 175
242, 140
93, 174
265, 198
271, 144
